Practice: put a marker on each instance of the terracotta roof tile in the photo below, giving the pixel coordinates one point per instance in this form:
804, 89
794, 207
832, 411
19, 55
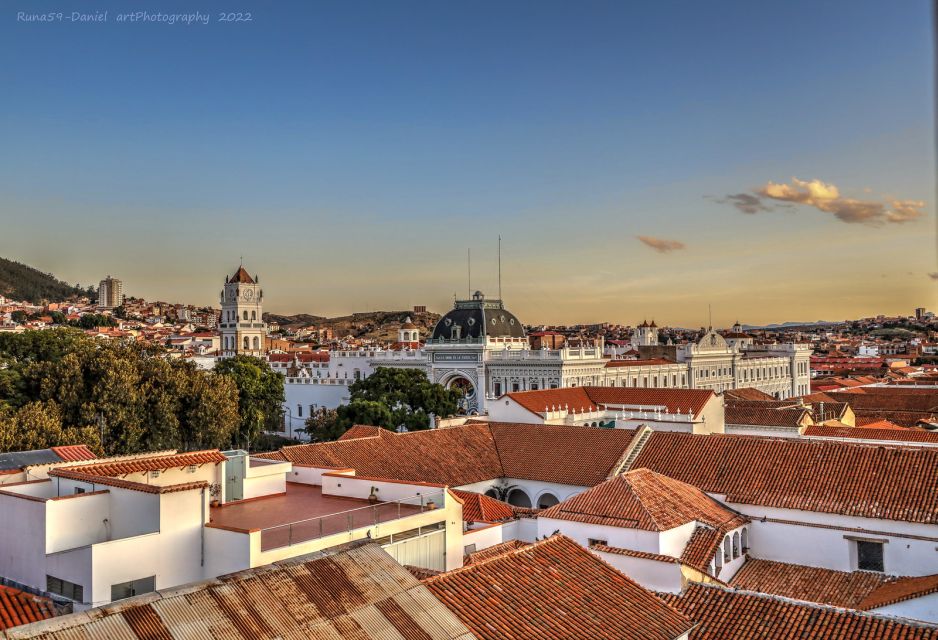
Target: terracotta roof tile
765, 416
702, 547
108, 481
74, 452
242, 276
723, 614
746, 393
153, 463
827, 476
18, 607
495, 550
900, 434
863, 590
643, 499
588, 398
470, 453
481, 508
554, 589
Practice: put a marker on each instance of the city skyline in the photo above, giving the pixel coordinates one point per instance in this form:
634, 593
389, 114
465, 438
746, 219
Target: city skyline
775, 167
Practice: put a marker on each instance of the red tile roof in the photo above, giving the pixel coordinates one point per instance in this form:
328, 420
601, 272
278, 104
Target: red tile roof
643, 499
746, 393
470, 453
153, 463
899, 434
481, 508
827, 476
108, 481
702, 547
765, 416
495, 550
18, 607
863, 590
241, 276
554, 589
74, 452
589, 398
723, 614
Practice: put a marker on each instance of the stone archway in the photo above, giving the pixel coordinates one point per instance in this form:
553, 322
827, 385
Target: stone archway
518, 498
461, 382
546, 500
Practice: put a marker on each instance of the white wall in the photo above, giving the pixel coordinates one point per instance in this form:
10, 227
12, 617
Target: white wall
77, 521
673, 541
490, 535
924, 609
22, 545
225, 552
651, 574
349, 486
124, 560
635, 539
264, 486
825, 546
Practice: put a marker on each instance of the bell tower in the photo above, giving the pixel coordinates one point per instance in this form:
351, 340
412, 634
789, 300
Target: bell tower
242, 326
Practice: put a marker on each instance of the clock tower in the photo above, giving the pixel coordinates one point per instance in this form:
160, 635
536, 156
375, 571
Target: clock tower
242, 326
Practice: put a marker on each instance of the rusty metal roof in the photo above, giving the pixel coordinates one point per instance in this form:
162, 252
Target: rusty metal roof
357, 592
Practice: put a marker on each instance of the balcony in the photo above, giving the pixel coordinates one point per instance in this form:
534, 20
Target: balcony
305, 514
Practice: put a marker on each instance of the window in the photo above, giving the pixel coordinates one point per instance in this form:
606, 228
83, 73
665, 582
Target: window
870, 556
79, 490
736, 545
727, 556
299, 411
594, 541
133, 588
65, 588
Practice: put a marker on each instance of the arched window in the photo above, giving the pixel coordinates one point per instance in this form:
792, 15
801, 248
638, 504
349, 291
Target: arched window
519, 498
254, 315
727, 555
746, 540
547, 500
718, 562
245, 314
247, 343
736, 545
257, 343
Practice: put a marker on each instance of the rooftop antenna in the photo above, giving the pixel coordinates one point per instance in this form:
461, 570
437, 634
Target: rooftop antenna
469, 269
499, 267
710, 314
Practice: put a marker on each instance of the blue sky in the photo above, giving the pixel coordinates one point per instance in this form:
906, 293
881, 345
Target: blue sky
352, 151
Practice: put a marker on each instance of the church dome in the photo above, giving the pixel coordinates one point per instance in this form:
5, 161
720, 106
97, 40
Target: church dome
476, 319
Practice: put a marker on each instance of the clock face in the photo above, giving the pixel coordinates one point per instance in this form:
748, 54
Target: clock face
248, 294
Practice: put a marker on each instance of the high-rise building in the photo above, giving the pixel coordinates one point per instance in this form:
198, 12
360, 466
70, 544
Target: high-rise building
920, 312
242, 326
110, 293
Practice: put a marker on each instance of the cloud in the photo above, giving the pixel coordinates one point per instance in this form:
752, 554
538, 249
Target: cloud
826, 197
745, 202
661, 245
905, 210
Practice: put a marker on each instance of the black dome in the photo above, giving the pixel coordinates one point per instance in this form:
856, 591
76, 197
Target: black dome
477, 318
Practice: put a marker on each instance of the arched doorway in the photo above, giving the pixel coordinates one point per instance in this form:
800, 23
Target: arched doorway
518, 498
465, 386
546, 500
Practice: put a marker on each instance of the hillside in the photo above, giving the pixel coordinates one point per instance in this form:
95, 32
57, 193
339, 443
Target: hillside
373, 325
24, 283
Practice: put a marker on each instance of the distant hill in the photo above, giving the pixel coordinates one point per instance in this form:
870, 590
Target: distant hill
21, 282
372, 325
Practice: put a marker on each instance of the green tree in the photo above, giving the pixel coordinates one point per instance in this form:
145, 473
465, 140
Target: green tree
393, 398
260, 395
19, 317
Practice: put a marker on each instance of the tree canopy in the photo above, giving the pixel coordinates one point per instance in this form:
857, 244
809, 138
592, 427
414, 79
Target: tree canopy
260, 395
60, 386
392, 398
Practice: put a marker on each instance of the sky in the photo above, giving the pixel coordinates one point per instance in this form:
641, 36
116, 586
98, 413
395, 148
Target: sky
774, 162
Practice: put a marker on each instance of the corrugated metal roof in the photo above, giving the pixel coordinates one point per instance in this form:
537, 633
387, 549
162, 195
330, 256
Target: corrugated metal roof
20, 459
357, 592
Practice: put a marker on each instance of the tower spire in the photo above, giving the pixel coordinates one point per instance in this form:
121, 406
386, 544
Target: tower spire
500, 267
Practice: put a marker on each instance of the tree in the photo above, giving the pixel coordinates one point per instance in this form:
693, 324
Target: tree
19, 317
260, 395
38, 425
132, 394
322, 425
393, 398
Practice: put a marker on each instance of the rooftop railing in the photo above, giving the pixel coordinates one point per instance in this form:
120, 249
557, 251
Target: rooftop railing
285, 535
